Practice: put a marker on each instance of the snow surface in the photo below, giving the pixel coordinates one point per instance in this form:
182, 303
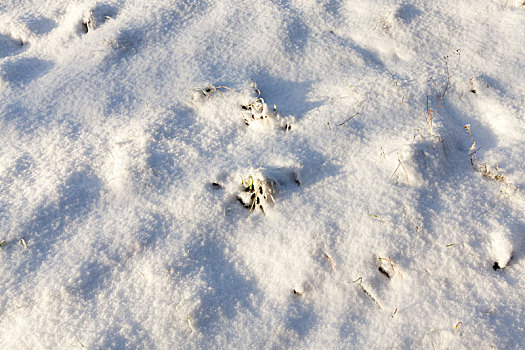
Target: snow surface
129, 152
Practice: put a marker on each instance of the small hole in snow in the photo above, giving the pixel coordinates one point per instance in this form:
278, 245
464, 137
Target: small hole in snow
383, 271
84, 27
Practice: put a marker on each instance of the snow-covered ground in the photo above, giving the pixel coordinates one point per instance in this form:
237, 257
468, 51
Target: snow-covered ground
262, 174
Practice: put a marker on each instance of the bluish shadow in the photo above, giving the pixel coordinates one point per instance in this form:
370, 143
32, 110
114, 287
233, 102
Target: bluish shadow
41, 25
333, 8
178, 124
94, 278
370, 58
297, 33
77, 197
21, 118
25, 70
134, 336
301, 318
125, 46
227, 291
290, 97
10, 46
407, 13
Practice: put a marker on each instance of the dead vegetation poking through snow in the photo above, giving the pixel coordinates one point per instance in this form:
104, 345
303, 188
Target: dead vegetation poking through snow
485, 169
257, 192
255, 112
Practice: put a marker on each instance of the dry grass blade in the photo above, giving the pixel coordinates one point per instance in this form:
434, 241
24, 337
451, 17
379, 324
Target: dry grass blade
402, 166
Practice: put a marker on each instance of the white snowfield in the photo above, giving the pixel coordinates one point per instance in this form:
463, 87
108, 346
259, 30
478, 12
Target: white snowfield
262, 174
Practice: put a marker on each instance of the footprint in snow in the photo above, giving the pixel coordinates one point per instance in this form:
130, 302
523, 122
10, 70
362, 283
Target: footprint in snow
96, 17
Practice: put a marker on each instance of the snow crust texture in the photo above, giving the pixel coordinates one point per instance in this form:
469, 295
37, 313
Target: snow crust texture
262, 174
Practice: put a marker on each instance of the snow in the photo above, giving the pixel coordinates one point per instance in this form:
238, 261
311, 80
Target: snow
136, 136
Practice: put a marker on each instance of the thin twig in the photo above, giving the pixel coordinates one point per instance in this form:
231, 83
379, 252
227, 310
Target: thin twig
111, 154
82, 345
348, 119
360, 279
143, 275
